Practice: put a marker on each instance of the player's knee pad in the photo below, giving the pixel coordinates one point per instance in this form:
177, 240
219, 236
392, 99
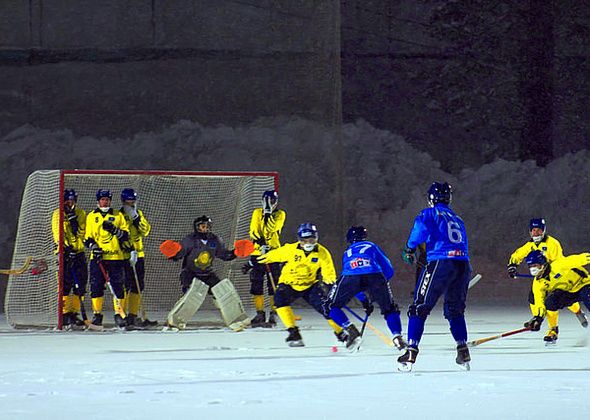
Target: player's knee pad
454, 311
421, 311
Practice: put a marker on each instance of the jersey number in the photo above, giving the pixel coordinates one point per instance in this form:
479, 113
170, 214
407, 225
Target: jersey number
454, 232
362, 249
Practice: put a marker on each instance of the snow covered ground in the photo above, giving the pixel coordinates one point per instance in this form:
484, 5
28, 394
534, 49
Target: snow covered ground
219, 374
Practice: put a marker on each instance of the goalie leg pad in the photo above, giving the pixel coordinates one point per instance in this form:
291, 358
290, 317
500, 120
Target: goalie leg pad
230, 305
188, 304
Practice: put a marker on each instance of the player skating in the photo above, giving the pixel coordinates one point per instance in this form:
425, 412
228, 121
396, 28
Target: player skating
265, 229
75, 271
447, 273
552, 250
560, 283
365, 268
299, 278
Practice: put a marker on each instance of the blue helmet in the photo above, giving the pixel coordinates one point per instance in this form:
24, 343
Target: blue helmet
536, 257
70, 195
439, 193
537, 223
272, 194
102, 194
307, 230
356, 234
128, 194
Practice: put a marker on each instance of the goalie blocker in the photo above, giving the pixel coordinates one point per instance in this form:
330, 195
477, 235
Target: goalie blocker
226, 299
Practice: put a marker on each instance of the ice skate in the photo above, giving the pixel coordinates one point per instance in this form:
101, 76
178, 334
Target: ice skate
399, 342
259, 320
406, 361
463, 357
582, 318
341, 336
551, 336
272, 319
120, 322
353, 338
294, 339
146, 323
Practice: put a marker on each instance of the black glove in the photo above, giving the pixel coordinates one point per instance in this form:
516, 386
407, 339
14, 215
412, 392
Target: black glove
534, 323
72, 219
247, 267
69, 253
409, 255
120, 234
368, 306
511, 270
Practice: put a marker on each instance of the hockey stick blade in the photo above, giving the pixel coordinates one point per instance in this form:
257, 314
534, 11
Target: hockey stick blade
17, 271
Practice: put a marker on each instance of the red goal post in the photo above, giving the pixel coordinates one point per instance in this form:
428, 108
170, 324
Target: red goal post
170, 200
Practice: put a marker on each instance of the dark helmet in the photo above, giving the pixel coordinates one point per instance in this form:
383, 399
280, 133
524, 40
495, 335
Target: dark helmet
128, 194
272, 194
102, 194
200, 220
439, 193
307, 230
356, 234
537, 223
536, 257
70, 195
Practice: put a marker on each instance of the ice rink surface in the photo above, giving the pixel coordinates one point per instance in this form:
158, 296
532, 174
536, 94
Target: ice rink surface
220, 374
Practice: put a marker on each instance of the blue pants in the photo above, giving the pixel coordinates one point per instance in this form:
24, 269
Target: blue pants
559, 299
75, 275
448, 278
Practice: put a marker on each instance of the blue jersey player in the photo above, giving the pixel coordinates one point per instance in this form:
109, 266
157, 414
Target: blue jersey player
365, 268
447, 273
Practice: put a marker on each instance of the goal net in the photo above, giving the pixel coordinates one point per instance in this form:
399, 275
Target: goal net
169, 200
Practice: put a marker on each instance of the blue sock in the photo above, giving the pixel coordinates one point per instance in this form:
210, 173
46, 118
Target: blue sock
339, 317
459, 329
415, 330
394, 323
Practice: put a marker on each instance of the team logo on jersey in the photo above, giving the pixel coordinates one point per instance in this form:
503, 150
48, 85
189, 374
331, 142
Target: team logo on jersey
558, 275
359, 263
314, 260
203, 260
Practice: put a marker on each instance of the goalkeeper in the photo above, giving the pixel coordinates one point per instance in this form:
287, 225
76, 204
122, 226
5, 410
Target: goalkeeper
75, 273
265, 227
106, 232
299, 278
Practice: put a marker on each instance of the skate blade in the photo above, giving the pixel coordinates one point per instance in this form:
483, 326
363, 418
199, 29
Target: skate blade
550, 343
296, 343
355, 346
91, 327
405, 366
465, 366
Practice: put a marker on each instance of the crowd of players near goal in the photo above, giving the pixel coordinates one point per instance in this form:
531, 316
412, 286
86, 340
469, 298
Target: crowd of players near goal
303, 269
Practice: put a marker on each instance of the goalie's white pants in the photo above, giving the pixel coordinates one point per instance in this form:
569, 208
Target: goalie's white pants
230, 305
226, 299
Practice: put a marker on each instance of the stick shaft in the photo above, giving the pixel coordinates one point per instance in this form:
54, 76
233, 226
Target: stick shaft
495, 337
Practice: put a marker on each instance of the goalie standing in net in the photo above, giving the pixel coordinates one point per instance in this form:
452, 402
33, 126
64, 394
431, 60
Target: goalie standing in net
106, 232
265, 227
75, 273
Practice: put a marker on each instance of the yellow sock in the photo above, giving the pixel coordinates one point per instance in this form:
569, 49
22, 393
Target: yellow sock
552, 317
337, 328
575, 308
75, 303
258, 302
120, 307
67, 304
97, 303
286, 315
133, 302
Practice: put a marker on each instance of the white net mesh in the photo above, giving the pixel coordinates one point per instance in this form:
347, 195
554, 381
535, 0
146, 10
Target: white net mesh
170, 202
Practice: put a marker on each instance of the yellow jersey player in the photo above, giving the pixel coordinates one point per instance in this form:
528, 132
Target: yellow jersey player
299, 278
75, 273
106, 232
265, 227
552, 250
561, 283
139, 228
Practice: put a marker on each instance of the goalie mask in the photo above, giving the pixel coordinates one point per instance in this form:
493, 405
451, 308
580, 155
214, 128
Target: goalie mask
202, 224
